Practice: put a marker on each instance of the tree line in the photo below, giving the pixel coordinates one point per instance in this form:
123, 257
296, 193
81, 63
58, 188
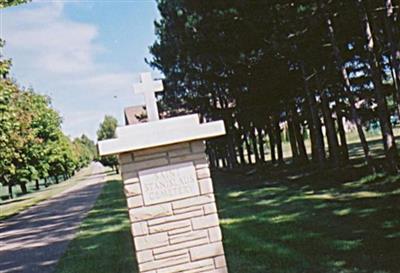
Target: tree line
309, 64
32, 144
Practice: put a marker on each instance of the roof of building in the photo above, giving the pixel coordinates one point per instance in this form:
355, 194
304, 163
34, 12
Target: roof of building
135, 114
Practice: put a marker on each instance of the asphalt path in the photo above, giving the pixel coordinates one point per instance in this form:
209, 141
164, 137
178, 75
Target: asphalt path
34, 240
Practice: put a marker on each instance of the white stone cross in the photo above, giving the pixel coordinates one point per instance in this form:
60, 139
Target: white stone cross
149, 87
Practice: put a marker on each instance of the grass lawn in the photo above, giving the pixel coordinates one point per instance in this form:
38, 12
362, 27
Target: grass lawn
332, 221
104, 241
280, 219
353, 141
11, 207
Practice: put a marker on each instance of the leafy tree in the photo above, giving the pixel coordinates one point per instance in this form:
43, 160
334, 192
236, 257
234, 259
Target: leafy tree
10, 142
9, 3
86, 150
32, 144
107, 131
45, 125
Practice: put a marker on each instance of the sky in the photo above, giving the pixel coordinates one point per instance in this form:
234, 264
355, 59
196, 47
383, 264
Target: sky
85, 55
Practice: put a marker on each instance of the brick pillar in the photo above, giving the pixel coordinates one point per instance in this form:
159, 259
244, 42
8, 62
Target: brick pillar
172, 209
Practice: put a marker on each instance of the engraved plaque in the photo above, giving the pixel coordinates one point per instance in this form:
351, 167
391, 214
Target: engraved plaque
168, 183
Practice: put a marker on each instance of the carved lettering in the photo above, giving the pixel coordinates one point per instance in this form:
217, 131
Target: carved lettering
168, 183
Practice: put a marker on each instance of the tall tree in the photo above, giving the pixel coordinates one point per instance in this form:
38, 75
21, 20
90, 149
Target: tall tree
341, 67
257, 58
107, 131
374, 64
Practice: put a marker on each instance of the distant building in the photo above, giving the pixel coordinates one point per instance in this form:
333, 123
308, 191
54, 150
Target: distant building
135, 114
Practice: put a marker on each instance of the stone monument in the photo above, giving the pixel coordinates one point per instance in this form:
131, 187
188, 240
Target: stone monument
169, 190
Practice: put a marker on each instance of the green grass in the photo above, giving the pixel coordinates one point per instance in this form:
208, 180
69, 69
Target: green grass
104, 241
12, 207
332, 221
374, 138
304, 221
281, 220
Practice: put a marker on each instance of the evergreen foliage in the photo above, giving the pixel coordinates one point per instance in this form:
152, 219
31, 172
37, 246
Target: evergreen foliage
269, 66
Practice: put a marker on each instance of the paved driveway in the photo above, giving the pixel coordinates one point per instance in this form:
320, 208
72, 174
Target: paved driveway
34, 240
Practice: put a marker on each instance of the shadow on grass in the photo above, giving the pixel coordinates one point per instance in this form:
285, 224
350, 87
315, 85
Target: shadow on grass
34, 240
332, 221
104, 242
11, 201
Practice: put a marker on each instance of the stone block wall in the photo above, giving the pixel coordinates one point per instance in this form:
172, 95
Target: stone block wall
179, 235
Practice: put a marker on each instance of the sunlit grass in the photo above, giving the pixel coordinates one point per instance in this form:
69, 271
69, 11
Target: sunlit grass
285, 220
11, 207
104, 242
311, 223
301, 225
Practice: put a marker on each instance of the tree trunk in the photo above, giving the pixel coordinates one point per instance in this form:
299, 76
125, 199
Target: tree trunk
344, 149
299, 136
10, 190
241, 151
225, 155
248, 148
311, 135
260, 135
383, 113
224, 160
347, 88
271, 139
278, 139
56, 178
396, 90
364, 143
333, 142
391, 26
254, 142
210, 154
230, 142
24, 190
315, 126
46, 182
37, 184
221, 157
272, 147
215, 156
231, 151
292, 137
